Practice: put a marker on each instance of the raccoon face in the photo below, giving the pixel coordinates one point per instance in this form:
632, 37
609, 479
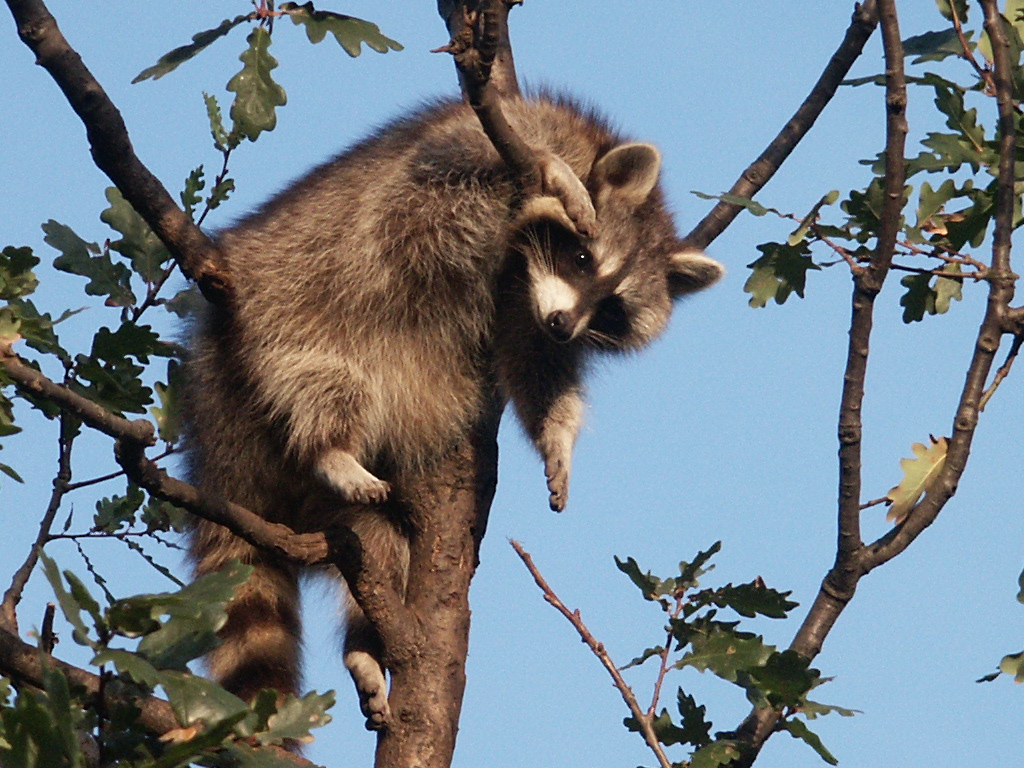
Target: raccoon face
614, 292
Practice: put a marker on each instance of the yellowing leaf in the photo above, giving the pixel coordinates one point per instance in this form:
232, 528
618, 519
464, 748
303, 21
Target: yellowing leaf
918, 475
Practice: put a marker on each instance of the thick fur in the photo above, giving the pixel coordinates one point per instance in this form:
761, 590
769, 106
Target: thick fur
378, 300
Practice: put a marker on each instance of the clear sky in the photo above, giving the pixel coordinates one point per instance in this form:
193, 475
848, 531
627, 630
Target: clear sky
724, 430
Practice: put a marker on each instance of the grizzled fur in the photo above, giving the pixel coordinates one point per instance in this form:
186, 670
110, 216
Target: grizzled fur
378, 299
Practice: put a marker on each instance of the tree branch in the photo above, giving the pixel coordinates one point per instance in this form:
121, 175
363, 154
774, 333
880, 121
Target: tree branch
341, 547
760, 172
839, 584
1001, 280
200, 259
643, 720
25, 665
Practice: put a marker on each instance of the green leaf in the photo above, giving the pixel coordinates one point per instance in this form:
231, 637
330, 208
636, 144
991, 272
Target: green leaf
66, 716
256, 93
647, 654
171, 60
131, 665
812, 216
105, 277
116, 512
785, 678
7, 425
726, 653
36, 328
113, 384
168, 414
690, 573
85, 599
137, 243
650, 586
754, 598
919, 298
813, 709
190, 196
696, 728
295, 717
935, 46
195, 699
947, 289
186, 303
220, 192
350, 32
945, 9
782, 270
247, 757
744, 202
16, 276
11, 473
798, 730
718, 752
1020, 583
223, 140
129, 340
668, 733
69, 605
194, 614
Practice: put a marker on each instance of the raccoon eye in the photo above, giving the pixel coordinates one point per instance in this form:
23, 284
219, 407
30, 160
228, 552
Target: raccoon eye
583, 260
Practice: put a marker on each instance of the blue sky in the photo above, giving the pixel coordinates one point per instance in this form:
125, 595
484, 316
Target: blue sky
725, 429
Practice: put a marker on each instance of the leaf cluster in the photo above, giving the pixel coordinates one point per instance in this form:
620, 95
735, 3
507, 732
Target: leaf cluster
59, 726
953, 213
699, 637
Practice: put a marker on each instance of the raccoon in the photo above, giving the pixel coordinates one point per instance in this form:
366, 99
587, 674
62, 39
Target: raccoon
379, 300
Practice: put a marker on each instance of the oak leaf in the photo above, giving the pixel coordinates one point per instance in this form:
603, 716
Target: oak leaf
918, 475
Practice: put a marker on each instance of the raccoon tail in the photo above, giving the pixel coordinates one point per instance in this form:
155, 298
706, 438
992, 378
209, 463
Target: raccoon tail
260, 645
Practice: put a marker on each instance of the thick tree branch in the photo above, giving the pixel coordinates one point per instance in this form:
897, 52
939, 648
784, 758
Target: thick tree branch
112, 151
25, 665
642, 718
760, 172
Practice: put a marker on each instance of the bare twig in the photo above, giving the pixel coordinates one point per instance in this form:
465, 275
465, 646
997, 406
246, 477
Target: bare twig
967, 54
199, 257
760, 172
598, 648
1002, 373
47, 640
8, 610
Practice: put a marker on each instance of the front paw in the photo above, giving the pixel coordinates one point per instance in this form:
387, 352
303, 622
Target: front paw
558, 483
371, 687
559, 180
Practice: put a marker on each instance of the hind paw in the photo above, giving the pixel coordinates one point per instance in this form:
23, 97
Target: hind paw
558, 483
371, 687
352, 480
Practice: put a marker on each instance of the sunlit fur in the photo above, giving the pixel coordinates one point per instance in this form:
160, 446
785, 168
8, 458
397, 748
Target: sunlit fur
377, 300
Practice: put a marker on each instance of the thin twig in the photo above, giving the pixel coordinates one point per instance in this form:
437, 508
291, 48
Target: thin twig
1002, 373
968, 54
65, 440
599, 650
760, 172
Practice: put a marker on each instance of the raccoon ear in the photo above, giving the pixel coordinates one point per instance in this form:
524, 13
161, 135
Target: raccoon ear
691, 271
628, 173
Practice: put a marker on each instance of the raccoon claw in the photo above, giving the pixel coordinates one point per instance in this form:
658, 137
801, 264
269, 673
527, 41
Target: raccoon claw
558, 484
351, 480
558, 179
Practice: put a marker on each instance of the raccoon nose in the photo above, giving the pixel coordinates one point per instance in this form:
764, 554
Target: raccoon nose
560, 326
